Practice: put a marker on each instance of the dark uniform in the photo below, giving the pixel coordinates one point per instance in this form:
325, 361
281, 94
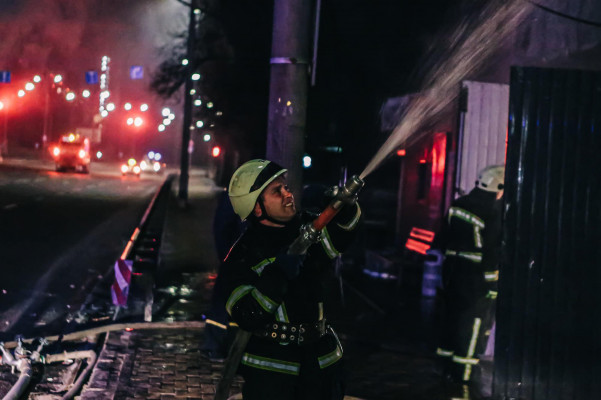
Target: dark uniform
293, 353
471, 238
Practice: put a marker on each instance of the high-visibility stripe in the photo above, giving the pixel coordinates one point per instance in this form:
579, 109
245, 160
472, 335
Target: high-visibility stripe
320, 311
477, 237
270, 364
465, 360
326, 242
491, 276
492, 294
236, 295
260, 266
468, 361
472, 219
330, 358
264, 301
444, 353
215, 323
354, 221
475, 257
466, 216
281, 315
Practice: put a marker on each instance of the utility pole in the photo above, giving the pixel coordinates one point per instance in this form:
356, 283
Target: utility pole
189, 69
288, 87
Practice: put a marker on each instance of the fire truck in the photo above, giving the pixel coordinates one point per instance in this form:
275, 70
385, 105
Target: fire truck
72, 152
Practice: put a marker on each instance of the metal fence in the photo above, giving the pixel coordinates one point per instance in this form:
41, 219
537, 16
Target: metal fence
548, 339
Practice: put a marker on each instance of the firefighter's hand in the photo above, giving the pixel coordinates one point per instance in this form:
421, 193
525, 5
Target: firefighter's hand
290, 264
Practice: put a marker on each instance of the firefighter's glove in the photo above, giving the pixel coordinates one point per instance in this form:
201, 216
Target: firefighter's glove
290, 264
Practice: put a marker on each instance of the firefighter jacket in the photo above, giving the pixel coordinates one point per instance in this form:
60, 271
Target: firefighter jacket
471, 237
262, 300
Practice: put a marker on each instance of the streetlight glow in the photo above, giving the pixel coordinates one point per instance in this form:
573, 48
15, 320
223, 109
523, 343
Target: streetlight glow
199, 124
37, 79
185, 61
21, 93
110, 106
307, 161
130, 121
171, 117
197, 102
206, 137
104, 113
210, 104
70, 96
161, 128
1, 105
85, 93
166, 112
138, 121
127, 106
192, 91
195, 77
166, 121
29, 86
144, 107
58, 78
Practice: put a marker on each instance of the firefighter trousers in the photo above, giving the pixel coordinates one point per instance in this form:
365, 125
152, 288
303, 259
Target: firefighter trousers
466, 332
312, 383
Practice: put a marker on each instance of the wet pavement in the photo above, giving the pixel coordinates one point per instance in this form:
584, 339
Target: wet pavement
387, 331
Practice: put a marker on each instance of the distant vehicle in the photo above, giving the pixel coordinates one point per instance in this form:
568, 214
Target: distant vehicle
72, 152
152, 166
131, 168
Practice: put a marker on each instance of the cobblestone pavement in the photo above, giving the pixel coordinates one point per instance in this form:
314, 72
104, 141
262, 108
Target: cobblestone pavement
154, 365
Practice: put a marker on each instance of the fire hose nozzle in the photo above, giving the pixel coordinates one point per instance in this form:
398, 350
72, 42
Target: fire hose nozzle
352, 187
310, 232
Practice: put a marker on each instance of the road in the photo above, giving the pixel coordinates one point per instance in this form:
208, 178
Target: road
59, 234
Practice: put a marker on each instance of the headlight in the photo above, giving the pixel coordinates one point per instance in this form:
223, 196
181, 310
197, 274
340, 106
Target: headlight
137, 169
56, 151
124, 168
82, 153
156, 166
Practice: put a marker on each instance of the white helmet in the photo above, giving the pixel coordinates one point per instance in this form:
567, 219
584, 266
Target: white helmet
248, 182
491, 178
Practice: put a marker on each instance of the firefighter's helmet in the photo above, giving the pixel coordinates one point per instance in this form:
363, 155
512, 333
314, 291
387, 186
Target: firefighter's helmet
491, 178
248, 182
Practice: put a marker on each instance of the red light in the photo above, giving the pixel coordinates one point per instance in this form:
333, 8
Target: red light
129, 329
401, 152
422, 234
417, 246
422, 161
216, 151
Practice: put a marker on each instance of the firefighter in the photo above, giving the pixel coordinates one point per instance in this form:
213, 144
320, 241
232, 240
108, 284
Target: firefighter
471, 239
293, 353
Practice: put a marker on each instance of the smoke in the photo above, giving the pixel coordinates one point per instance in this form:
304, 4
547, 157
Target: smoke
71, 36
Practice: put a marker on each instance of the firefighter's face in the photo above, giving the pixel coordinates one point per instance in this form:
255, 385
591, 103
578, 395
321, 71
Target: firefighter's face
278, 201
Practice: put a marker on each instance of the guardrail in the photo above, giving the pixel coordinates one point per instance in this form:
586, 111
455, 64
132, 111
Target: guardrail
134, 270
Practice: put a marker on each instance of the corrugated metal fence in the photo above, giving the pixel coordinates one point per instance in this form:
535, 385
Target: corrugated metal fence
548, 343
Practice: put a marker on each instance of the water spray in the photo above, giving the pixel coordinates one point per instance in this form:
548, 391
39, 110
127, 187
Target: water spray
467, 49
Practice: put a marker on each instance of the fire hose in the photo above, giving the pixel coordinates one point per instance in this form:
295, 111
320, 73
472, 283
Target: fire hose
309, 234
